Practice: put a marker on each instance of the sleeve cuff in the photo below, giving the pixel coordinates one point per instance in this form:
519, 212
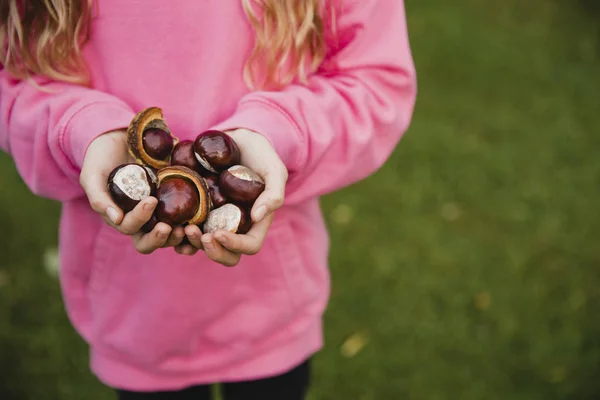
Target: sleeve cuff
274, 124
90, 122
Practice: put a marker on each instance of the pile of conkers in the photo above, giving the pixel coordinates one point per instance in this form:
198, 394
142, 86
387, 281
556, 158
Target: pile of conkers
198, 182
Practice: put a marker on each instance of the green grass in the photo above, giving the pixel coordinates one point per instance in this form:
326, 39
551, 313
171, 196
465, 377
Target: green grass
471, 265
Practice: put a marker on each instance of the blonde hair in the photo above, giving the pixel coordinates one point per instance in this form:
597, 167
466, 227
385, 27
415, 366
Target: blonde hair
46, 37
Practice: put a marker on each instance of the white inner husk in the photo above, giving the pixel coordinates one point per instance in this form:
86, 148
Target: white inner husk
152, 175
226, 218
132, 181
244, 173
205, 163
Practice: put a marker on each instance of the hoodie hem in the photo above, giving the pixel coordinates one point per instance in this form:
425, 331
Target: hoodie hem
118, 374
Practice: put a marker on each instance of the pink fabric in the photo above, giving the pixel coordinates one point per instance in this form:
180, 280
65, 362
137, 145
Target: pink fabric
164, 321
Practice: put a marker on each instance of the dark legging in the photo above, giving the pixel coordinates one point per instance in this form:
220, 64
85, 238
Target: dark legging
291, 385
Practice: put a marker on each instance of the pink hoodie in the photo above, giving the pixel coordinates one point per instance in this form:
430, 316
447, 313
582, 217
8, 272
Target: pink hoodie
164, 321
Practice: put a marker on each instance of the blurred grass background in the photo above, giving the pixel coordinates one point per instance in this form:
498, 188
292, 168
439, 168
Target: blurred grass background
465, 269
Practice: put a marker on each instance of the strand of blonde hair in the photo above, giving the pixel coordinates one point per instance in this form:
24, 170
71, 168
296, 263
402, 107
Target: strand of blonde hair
45, 38
289, 37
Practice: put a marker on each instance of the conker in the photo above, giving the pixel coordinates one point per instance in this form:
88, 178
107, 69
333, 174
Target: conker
149, 139
182, 195
229, 217
241, 185
128, 184
148, 226
183, 154
158, 144
216, 151
178, 201
216, 195
152, 173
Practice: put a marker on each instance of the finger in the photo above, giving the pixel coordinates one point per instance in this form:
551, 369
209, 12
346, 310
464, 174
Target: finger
146, 243
248, 244
218, 253
194, 236
142, 210
273, 195
186, 250
175, 238
96, 190
134, 220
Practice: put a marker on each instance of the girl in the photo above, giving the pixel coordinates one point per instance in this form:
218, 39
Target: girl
317, 95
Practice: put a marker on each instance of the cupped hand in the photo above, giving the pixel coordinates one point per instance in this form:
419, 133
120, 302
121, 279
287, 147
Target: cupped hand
104, 154
225, 247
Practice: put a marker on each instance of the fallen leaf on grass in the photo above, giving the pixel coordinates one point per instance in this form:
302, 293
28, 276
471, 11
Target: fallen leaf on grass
558, 374
51, 262
482, 300
354, 344
451, 212
3, 278
342, 214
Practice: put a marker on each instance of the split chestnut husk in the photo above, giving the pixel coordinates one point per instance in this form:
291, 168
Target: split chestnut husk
149, 139
183, 197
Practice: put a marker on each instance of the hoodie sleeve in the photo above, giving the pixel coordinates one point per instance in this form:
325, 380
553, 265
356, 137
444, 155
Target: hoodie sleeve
344, 124
46, 130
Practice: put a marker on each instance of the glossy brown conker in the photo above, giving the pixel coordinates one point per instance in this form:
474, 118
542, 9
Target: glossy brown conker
241, 184
157, 143
148, 226
178, 201
128, 184
183, 154
229, 217
152, 172
216, 195
216, 151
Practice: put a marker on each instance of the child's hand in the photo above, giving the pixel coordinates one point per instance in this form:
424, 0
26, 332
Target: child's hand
225, 247
103, 155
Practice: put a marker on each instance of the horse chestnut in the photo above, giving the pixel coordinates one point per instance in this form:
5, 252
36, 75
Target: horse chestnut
241, 185
216, 195
152, 173
182, 195
148, 226
228, 217
178, 201
157, 143
149, 138
216, 151
128, 184
183, 154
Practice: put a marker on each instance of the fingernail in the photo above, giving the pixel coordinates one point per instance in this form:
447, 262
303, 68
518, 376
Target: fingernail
113, 214
208, 244
261, 212
162, 235
223, 239
149, 205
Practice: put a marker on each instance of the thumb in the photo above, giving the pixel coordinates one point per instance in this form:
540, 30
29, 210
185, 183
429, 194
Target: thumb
271, 198
97, 193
